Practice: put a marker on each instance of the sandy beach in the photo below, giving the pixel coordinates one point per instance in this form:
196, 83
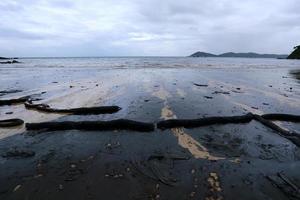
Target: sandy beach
211, 162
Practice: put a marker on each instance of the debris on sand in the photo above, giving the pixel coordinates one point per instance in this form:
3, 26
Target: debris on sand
111, 146
169, 155
200, 85
4, 92
158, 166
16, 153
220, 92
115, 175
214, 187
73, 172
17, 188
227, 144
119, 124
4, 102
286, 185
75, 169
11, 122
60, 187
237, 91
74, 111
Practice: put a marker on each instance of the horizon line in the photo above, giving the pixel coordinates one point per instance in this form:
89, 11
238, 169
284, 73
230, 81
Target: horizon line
123, 56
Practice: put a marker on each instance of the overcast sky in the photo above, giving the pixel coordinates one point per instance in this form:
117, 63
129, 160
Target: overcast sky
147, 27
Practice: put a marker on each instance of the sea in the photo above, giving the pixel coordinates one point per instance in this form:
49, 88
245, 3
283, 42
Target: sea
151, 62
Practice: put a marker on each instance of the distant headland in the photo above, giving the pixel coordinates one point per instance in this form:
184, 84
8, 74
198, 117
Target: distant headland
294, 55
239, 55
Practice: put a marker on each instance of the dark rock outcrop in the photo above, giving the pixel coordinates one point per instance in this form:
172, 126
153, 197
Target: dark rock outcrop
295, 54
5, 58
10, 62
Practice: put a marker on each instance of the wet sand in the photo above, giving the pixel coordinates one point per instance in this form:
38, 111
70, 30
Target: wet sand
221, 161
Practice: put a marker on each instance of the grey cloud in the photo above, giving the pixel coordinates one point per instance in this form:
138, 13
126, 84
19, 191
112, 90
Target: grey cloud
16, 34
62, 4
11, 7
148, 27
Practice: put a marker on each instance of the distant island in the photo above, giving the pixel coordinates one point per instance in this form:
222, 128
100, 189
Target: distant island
239, 55
295, 54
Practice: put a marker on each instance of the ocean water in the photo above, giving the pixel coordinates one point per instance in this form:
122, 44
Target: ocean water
152, 62
33, 72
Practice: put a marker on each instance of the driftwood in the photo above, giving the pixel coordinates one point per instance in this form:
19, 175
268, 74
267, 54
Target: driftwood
74, 111
11, 122
282, 117
288, 181
192, 123
220, 92
285, 184
159, 165
119, 124
4, 102
200, 85
292, 136
273, 126
123, 124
